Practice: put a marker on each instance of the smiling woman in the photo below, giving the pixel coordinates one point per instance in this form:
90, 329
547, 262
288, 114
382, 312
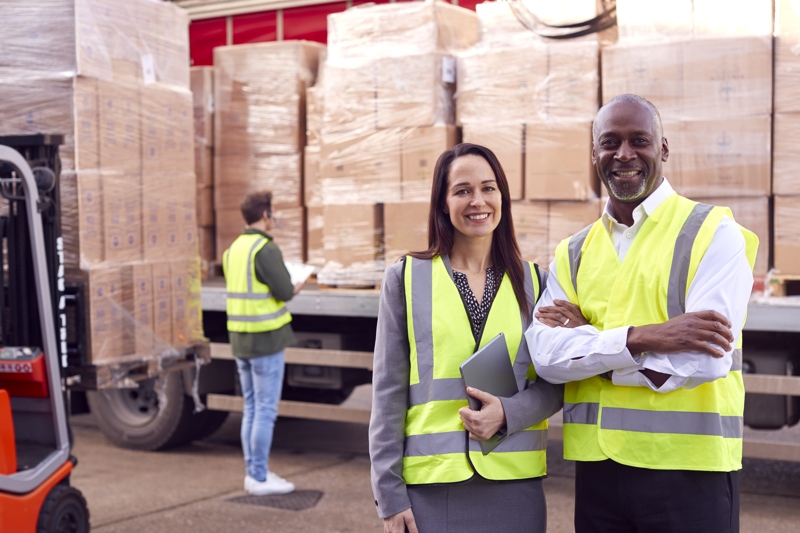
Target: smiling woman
437, 307
474, 199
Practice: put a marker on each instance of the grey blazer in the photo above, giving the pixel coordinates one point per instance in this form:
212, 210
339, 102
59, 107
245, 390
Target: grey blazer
390, 398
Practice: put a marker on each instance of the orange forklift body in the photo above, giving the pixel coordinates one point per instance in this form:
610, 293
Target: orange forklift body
20, 512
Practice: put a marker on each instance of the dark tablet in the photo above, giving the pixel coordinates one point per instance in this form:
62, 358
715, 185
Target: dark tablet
489, 369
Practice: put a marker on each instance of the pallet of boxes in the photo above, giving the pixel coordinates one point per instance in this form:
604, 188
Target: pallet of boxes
202, 85
785, 174
387, 106
260, 135
707, 66
532, 101
113, 78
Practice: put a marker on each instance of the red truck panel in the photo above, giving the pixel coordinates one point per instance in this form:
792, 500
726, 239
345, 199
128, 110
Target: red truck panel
309, 22
255, 27
204, 36
469, 4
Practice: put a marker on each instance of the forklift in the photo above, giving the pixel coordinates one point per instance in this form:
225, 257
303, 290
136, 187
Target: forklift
35, 439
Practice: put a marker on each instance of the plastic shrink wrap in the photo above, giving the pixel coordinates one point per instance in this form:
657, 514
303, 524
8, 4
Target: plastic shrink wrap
707, 65
541, 225
387, 114
202, 85
785, 178
112, 77
260, 136
532, 100
786, 251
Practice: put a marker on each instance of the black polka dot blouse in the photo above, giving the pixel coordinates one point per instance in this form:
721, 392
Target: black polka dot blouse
478, 311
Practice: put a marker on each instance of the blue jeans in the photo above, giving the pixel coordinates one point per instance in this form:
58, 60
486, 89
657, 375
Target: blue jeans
262, 380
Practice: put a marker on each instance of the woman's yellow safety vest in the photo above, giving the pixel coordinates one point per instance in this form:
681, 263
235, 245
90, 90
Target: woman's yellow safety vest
251, 307
437, 447
687, 429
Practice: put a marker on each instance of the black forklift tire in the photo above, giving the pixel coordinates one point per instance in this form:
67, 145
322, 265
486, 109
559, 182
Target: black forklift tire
64, 509
156, 416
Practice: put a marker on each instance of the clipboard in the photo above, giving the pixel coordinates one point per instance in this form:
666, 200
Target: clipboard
489, 369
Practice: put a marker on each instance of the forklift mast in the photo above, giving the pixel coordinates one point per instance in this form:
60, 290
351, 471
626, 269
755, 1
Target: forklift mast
19, 322
31, 256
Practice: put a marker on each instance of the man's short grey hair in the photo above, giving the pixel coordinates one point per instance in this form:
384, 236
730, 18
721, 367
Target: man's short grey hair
632, 99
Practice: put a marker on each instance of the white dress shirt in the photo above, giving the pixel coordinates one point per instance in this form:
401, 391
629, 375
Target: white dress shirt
723, 283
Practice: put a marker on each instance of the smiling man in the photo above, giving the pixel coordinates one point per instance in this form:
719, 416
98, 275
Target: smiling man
642, 319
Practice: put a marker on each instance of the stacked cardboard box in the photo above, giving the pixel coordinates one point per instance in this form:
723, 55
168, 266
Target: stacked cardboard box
202, 79
312, 184
112, 77
541, 225
259, 136
388, 114
707, 67
786, 177
532, 102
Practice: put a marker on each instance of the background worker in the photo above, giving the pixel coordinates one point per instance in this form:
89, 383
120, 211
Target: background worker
259, 326
642, 318
436, 308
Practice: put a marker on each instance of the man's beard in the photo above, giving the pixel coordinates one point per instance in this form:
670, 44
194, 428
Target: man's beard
627, 192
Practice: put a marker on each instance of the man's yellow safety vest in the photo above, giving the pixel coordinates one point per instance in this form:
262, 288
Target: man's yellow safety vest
251, 307
686, 429
437, 447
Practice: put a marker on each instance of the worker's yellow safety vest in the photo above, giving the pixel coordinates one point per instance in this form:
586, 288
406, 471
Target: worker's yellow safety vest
251, 307
437, 447
687, 429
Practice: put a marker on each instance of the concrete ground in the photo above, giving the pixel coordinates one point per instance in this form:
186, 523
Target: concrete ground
190, 489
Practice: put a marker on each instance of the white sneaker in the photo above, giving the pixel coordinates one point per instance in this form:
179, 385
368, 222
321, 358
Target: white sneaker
273, 485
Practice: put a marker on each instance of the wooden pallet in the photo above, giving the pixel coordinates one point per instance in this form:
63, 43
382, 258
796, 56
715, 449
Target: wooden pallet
360, 276
364, 285
783, 284
344, 281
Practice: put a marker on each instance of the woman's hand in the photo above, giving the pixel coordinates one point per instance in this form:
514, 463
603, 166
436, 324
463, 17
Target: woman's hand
561, 314
485, 423
400, 523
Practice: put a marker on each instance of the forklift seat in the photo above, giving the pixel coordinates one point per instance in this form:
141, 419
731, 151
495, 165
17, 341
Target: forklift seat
8, 448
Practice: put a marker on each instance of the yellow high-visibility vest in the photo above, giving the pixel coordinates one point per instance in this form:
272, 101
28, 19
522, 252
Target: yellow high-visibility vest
687, 429
251, 307
437, 447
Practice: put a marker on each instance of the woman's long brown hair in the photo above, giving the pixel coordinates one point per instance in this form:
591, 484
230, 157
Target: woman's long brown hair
506, 256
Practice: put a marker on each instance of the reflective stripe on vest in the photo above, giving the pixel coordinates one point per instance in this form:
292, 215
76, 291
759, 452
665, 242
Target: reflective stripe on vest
250, 305
691, 429
677, 422
437, 448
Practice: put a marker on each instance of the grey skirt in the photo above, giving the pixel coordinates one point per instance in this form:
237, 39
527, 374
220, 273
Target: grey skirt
479, 506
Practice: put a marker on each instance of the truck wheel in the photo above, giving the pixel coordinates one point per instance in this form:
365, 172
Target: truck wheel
208, 422
155, 416
64, 510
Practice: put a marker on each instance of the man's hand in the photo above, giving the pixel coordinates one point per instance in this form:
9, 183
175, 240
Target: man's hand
485, 423
298, 286
400, 523
561, 314
707, 332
